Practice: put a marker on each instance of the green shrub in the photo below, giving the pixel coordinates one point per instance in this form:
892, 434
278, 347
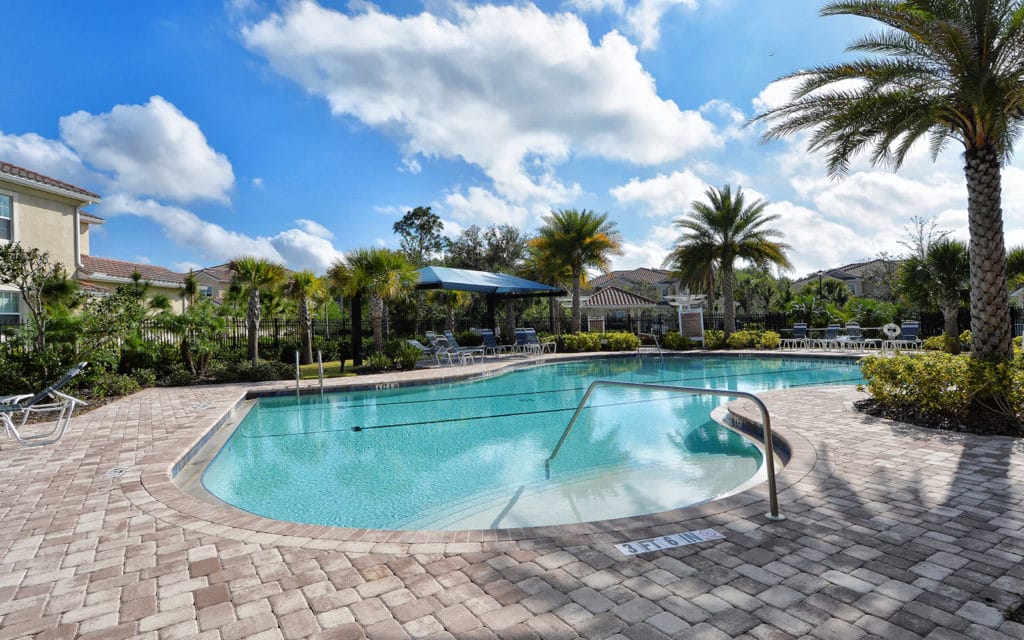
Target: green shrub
179, 376
114, 385
469, 339
934, 343
407, 357
621, 341
769, 340
673, 340
965, 339
714, 339
262, 371
378, 362
144, 377
930, 384
1017, 342
578, 342
742, 340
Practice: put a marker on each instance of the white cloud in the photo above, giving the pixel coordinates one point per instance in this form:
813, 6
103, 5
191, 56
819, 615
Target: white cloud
663, 195
214, 244
314, 228
640, 19
186, 266
42, 155
151, 150
816, 241
257, 182
507, 88
481, 207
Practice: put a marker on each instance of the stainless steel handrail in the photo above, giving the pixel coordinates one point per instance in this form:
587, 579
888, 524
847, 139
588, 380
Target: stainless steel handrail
769, 451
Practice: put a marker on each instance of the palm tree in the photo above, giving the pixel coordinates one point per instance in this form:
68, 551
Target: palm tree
945, 70
381, 274
717, 233
577, 240
303, 286
254, 275
939, 280
189, 290
541, 267
451, 301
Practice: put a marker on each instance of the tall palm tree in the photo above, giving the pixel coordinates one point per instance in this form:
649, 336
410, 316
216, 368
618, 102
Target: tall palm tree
189, 290
254, 275
541, 267
302, 286
720, 231
451, 301
381, 274
945, 70
577, 240
941, 279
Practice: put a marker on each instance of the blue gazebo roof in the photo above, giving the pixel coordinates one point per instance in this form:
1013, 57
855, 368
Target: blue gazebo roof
496, 284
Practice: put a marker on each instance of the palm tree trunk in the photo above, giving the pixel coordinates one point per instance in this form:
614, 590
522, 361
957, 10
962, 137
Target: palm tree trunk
576, 321
252, 318
556, 316
306, 323
951, 322
990, 304
728, 306
377, 315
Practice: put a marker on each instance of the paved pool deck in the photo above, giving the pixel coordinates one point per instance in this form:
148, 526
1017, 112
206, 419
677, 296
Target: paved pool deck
891, 532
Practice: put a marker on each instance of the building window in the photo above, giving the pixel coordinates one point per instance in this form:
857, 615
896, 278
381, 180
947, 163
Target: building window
6, 218
206, 290
10, 312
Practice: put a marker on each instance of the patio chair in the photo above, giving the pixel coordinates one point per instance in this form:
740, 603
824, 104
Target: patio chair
799, 337
908, 336
830, 339
425, 351
528, 342
471, 351
491, 343
855, 339
48, 401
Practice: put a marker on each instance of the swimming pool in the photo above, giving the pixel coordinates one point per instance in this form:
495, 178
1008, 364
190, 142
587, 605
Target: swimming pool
471, 455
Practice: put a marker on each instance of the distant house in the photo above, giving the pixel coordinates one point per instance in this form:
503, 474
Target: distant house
654, 283
105, 274
43, 213
214, 282
611, 307
865, 279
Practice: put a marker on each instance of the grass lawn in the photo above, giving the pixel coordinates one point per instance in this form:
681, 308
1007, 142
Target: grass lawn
331, 370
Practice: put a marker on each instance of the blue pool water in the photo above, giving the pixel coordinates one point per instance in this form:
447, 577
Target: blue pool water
471, 455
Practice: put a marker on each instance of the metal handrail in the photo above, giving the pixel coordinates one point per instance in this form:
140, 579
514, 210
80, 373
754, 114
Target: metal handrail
773, 498
657, 345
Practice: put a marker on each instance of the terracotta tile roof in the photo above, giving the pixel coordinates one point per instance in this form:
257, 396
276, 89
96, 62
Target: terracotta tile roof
643, 275
616, 297
18, 172
92, 218
221, 272
851, 271
91, 265
93, 289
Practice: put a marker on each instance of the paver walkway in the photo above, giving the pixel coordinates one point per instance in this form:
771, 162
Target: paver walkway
891, 532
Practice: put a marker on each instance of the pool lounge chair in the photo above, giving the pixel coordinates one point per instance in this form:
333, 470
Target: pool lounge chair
528, 342
470, 351
854, 338
425, 351
491, 343
49, 401
830, 339
908, 336
799, 338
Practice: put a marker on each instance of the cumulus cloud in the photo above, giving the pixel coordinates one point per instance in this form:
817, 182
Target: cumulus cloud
663, 195
314, 228
816, 241
297, 248
481, 207
42, 155
640, 19
507, 88
150, 150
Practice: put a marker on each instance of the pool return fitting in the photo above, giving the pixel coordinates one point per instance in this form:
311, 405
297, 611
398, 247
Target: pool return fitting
766, 423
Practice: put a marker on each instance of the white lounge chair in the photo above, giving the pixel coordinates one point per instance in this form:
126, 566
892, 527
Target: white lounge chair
470, 351
15, 411
527, 341
491, 343
798, 339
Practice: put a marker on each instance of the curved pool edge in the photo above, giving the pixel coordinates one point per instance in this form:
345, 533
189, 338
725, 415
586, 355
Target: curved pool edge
160, 495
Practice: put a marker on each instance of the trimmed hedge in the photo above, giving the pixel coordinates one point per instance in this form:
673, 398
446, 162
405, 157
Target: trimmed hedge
589, 342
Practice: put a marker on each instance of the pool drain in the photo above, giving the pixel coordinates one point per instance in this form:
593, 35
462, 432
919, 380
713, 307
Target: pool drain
116, 472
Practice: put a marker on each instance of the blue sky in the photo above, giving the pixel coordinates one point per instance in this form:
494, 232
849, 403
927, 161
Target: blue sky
299, 130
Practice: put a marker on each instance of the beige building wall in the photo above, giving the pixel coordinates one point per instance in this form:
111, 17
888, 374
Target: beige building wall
83, 238
45, 222
173, 293
219, 289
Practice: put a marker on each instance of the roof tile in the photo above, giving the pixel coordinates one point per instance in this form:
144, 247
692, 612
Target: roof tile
25, 174
121, 269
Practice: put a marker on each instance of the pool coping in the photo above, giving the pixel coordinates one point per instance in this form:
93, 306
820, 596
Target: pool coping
158, 493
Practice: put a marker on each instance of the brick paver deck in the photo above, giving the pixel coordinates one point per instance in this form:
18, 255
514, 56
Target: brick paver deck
891, 532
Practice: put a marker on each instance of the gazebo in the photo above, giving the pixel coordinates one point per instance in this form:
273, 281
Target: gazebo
494, 285
611, 299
